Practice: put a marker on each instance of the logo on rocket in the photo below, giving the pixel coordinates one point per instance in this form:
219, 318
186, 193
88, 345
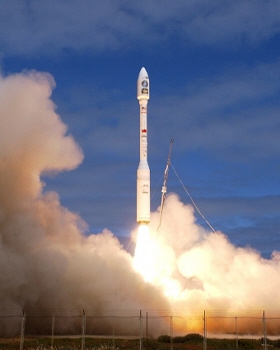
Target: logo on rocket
143, 171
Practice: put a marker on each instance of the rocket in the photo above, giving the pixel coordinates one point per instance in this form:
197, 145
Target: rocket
143, 171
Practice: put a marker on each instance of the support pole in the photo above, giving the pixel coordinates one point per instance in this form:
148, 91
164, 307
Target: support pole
147, 330
113, 332
140, 332
264, 331
204, 331
52, 338
236, 334
22, 330
171, 333
83, 329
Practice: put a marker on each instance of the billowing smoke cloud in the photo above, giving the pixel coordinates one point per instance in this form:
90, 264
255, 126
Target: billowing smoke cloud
203, 270
212, 272
45, 260
48, 263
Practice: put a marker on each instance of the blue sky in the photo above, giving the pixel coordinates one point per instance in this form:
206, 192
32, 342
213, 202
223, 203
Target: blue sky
214, 69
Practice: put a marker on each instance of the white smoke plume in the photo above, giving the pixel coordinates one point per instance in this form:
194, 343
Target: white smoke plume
204, 270
46, 261
213, 273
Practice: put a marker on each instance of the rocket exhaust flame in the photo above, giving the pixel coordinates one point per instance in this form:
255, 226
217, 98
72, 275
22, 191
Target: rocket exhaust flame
142, 257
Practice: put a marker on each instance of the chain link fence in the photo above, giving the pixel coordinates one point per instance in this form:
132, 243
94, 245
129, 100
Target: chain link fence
140, 324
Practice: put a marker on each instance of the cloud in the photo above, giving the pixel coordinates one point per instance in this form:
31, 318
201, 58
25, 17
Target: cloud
248, 221
234, 115
236, 23
49, 28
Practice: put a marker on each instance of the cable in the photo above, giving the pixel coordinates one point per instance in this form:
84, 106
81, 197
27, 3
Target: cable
193, 202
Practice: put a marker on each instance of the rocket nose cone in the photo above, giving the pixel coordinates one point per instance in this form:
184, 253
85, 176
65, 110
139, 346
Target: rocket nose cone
143, 85
143, 74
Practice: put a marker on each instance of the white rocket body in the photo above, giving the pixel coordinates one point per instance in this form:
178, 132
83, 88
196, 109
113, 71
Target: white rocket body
143, 171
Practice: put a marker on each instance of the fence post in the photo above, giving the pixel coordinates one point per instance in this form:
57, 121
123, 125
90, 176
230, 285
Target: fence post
264, 331
204, 331
22, 330
171, 333
236, 334
147, 330
52, 338
83, 329
114, 332
140, 331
